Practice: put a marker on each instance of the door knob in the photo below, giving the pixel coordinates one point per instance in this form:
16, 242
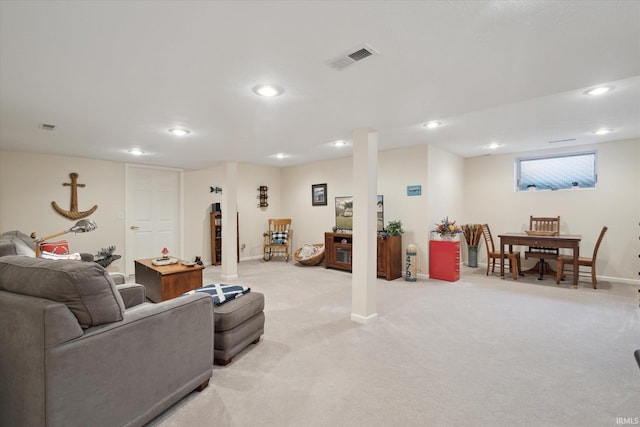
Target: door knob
134, 227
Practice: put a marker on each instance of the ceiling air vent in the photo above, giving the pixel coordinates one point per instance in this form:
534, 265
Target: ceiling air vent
562, 140
350, 57
46, 126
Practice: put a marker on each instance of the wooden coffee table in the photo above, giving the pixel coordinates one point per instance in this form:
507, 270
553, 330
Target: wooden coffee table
167, 281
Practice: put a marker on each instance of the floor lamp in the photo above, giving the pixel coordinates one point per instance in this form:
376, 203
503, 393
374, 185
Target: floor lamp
82, 226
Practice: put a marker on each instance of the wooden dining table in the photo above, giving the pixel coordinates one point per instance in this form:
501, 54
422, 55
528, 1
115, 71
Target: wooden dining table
568, 241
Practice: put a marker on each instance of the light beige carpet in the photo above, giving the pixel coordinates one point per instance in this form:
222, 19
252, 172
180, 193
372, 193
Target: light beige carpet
477, 352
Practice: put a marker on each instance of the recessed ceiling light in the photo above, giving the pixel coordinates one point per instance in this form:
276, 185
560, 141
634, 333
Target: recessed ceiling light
602, 131
432, 124
268, 90
280, 156
339, 143
493, 146
179, 132
599, 90
136, 152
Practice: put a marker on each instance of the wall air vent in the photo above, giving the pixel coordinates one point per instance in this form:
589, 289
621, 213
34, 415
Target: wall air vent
46, 126
350, 57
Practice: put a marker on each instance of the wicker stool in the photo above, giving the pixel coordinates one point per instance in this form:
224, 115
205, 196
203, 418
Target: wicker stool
238, 324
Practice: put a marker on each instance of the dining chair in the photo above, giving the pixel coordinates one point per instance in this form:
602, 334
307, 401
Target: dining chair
582, 261
492, 255
277, 238
542, 226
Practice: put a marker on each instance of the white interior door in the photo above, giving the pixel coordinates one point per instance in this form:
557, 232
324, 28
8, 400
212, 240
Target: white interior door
153, 213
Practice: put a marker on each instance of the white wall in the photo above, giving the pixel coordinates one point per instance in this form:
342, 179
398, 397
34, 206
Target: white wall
474, 190
396, 170
309, 223
197, 207
30, 182
615, 202
445, 195
252, 220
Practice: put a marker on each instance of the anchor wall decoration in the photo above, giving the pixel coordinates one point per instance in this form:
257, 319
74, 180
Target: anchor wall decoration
73, 213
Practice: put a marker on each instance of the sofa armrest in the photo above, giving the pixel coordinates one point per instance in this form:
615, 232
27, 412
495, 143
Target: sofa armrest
132, 294
118, 278
84, 256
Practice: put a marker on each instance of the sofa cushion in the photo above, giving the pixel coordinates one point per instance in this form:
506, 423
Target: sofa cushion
84, 287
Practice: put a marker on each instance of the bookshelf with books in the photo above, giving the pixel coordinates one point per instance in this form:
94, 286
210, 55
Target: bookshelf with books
216, 238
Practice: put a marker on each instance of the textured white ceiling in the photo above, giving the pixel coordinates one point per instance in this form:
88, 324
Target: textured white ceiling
114, 75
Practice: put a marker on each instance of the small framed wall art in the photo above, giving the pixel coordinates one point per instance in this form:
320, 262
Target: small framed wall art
319, 195
414, 190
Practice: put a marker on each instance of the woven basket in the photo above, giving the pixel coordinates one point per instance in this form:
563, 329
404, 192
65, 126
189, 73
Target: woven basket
314, 260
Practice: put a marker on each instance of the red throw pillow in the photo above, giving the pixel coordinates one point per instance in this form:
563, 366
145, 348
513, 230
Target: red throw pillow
58, 248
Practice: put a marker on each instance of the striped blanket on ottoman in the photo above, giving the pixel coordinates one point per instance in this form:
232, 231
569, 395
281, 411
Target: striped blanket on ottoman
222, 293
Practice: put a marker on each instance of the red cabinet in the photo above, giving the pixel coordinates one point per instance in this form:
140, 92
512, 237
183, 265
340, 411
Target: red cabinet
444, 260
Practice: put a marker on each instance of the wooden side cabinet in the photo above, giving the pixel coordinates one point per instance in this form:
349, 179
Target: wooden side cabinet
338, 254
390, 257
444, 260
337, 250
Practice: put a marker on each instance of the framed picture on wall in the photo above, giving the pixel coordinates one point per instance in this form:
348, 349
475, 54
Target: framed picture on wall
319, 195
344, 213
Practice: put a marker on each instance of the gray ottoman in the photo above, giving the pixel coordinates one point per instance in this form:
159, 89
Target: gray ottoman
238, 324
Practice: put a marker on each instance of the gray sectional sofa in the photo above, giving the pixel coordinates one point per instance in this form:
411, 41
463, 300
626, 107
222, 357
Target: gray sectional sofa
78, 350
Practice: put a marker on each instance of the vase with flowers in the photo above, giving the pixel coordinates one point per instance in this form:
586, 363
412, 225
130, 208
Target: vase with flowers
447, 229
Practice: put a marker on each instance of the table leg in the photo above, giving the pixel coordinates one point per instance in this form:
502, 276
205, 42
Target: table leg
576, 269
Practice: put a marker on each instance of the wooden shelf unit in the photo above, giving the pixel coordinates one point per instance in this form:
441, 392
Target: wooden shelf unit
338, 254
216, 238
215, 219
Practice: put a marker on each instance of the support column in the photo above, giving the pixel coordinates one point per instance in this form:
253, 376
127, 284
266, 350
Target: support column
364, 257
229, 222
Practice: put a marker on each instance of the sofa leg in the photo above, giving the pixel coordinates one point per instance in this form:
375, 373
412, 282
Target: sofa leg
202, 386
222, 362
256, 341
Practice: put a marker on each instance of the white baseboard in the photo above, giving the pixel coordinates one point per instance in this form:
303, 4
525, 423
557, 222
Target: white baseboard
634, 282
604, 278
249, 258
362, 319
